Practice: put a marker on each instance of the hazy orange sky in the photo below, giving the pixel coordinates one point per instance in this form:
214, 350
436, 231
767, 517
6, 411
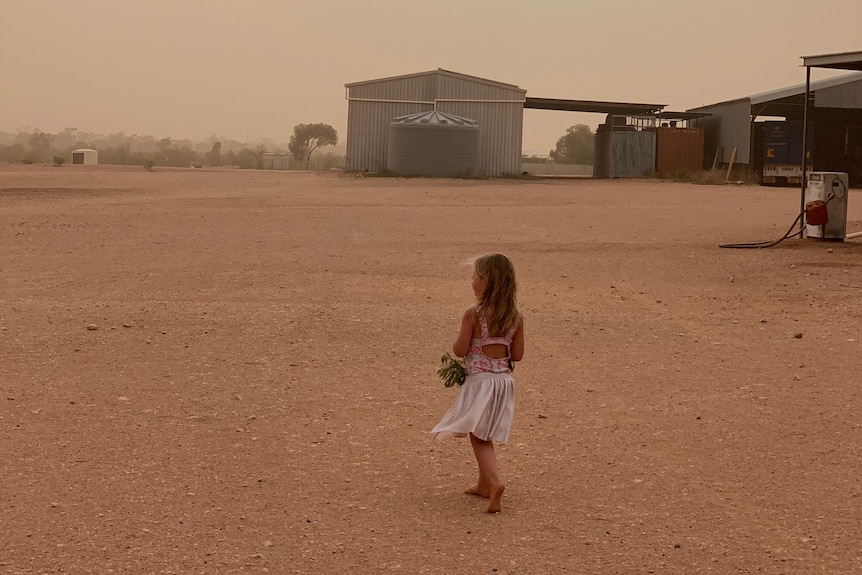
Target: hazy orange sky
254, 69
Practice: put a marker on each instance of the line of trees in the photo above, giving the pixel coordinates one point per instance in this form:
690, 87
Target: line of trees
37, 146
574, 147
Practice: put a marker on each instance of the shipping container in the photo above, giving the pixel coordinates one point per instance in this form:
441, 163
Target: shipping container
623, 152
678, 149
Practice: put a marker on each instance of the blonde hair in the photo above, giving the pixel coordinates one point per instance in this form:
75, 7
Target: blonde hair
499, 300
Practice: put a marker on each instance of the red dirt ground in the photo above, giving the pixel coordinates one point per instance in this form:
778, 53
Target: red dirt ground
224, 371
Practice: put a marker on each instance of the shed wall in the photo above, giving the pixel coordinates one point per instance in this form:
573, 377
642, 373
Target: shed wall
729, 126
500, 123
843, 96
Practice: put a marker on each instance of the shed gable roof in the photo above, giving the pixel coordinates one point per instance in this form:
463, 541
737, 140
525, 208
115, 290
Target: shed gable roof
440, 72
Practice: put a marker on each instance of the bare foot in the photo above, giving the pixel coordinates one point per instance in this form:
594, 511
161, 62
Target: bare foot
496, 497
480, 491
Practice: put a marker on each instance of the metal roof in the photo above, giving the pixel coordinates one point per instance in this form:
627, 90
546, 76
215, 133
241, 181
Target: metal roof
666, 115
799, 89
797, 92
436, 118
439, 71
616, 108
838, 61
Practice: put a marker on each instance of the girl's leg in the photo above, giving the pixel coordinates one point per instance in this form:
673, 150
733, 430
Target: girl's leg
490, 484
481, 488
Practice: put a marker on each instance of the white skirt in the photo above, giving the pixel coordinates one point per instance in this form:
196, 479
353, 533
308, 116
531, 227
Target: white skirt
485, 407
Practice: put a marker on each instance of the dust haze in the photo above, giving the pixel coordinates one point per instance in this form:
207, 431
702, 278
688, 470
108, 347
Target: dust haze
249, 73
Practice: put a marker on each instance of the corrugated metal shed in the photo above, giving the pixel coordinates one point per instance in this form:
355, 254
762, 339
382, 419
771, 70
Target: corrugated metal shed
730, 122
497, 107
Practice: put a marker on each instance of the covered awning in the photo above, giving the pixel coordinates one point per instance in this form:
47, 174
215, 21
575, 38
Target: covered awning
613, 108
836, 61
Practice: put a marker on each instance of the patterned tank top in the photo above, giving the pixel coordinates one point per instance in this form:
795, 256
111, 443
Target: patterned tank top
476, 361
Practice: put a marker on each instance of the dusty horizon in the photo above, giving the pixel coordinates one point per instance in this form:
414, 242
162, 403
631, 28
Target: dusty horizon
253, 71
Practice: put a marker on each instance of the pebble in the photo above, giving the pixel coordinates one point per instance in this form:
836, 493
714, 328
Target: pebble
92, 327
798, 335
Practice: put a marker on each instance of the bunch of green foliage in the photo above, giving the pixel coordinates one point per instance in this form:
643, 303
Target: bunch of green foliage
452, 370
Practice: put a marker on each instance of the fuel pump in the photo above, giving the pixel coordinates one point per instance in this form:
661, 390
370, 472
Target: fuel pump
826, 205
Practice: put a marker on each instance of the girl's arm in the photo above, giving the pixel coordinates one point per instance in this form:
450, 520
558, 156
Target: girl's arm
465, 334
517, 349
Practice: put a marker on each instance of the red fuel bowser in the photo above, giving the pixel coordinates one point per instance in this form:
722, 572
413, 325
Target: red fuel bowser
826, 205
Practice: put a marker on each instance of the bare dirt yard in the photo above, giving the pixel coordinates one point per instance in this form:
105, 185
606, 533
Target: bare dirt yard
224, 371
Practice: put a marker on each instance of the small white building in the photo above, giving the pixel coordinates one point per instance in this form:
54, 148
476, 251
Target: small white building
85, 156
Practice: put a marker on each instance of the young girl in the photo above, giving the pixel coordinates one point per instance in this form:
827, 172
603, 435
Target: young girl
492, 333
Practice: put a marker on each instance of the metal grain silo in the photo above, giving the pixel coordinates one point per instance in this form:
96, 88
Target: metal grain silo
433, 144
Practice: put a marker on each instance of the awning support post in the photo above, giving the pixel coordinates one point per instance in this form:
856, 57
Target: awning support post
804, 177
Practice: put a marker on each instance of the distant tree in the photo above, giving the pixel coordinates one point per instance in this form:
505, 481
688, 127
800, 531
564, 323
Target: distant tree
40, 145
248, 158
58, 161
575, 147
66, 139
114, 154
214, 155
12, 153
308, 137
